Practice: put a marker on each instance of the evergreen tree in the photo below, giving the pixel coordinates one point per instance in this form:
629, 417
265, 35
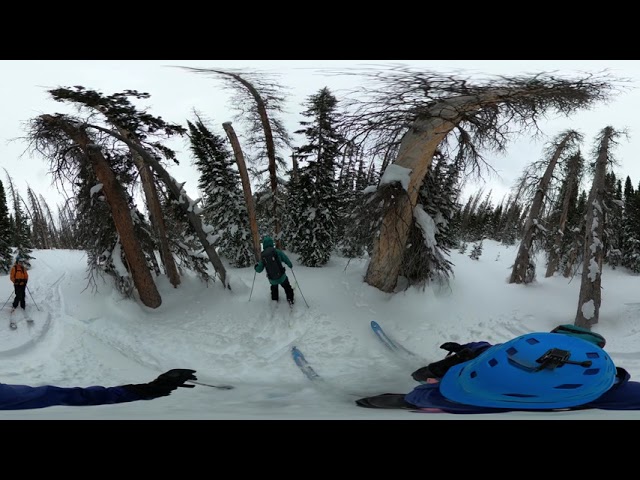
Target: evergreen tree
573, 240
95, 229
315, 193
5, 234
476, 251
184, 242
631, 228
22, 232
613, 220
224, 205
363, 219
430, 236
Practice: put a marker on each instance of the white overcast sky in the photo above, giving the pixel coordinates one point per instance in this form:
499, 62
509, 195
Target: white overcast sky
176, 92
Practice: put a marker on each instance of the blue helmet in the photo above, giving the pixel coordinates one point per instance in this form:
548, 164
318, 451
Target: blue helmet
536, 371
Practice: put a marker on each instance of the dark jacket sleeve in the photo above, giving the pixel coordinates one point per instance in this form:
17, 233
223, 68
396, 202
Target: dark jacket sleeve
284, 258
22, 397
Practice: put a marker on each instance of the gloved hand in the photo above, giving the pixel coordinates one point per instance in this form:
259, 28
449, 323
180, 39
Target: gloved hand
457, 354
439, 368
422, 374
164, 384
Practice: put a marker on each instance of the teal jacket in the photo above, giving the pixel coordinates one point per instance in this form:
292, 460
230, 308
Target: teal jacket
266, 243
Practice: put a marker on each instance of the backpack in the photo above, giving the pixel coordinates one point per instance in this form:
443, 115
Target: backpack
20, 281
272, 263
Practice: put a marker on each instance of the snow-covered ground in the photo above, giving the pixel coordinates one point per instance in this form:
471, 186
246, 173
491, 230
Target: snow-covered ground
80, 337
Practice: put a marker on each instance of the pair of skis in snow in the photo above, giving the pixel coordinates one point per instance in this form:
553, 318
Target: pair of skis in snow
13, 323
393, 345
390, 400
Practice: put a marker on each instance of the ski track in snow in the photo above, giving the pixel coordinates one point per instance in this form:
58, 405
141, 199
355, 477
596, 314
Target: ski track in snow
255, 344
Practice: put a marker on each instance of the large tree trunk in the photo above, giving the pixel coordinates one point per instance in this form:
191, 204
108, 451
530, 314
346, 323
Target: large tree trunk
571, 186
294, 167
246, 187
117, 201
523, 259
155, 212
184, 202
590, 288
416, 152
269, 144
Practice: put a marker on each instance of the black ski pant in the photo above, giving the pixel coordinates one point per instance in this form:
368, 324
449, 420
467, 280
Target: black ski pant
20, 294
288, 290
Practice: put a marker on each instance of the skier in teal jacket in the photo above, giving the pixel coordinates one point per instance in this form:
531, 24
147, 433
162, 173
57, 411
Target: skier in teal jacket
271, 259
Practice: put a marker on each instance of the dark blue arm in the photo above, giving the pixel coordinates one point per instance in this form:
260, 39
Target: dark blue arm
21, 397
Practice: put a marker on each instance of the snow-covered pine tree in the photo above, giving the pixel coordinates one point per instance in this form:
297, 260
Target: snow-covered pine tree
315, 193
430, 238
6, 245
476, 251
363, 217
631, 227
223, 201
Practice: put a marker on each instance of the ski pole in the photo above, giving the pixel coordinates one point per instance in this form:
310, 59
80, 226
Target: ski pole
7, 300
221, 387
34, 302
254, 281
294, 277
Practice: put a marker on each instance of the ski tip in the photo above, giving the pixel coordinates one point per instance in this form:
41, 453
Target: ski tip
374, 324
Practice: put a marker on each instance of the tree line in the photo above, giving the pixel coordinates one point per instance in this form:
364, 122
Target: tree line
379, 173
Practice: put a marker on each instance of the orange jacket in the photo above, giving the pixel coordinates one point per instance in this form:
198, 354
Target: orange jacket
19, 275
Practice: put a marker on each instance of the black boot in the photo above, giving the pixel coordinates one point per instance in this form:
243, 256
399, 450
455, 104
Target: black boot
386, 400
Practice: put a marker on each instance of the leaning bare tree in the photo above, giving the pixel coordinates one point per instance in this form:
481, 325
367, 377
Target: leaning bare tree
435, 111
523, 267
186, 204
259, 100
246, 187
590, 294
58, 135
571, 184
137, 126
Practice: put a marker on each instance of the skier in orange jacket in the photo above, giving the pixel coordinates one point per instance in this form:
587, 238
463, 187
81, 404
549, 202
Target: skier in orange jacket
19, 277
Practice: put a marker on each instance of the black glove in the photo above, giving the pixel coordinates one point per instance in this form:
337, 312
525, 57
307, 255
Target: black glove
164, 384
457, 354
437, 369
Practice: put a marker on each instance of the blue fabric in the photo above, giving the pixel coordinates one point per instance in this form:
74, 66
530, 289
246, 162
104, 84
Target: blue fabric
623, 395
22, 397
428, 396
508, 375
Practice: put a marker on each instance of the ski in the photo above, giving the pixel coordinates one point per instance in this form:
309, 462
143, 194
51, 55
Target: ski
12, 323
389, 342
397, 348
303, 365
319, 382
